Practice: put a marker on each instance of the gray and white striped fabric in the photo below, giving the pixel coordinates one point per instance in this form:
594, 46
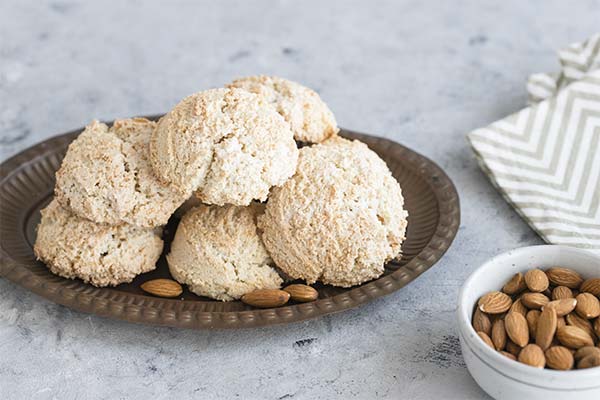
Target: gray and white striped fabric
545, 159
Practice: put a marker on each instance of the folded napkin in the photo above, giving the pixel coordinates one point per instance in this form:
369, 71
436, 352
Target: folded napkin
545, 159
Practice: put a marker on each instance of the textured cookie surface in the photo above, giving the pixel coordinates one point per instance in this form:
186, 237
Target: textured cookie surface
103, 255
338, 219
228, 145
310, 118
106, 176
218, 253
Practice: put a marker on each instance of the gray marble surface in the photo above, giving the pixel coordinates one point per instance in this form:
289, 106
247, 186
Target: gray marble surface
423, 73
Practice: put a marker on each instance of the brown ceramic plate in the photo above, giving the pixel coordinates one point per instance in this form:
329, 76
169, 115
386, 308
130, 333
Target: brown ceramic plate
27, 183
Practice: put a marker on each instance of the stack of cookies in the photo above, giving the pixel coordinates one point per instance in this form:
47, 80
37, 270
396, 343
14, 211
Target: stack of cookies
255, 209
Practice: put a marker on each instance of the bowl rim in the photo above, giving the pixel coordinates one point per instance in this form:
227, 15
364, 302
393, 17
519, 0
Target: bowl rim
484, 352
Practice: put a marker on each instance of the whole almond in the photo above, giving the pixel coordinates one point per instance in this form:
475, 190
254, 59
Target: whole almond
508, 355
486, 339
515, 285
559, 358
512, 348
586, 351
495, 303
517, 306
546, 328
589, 362
591, 286
481, 322
575, 320
499, 334
302, 293
564, 277
562, 306
536, 280
534, 300
532, 355
162, 287
517, 329
532, 318
588, 305
574, 337
562, 292
266, 298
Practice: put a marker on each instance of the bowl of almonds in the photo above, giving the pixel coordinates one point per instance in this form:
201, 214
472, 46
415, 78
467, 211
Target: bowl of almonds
529, 324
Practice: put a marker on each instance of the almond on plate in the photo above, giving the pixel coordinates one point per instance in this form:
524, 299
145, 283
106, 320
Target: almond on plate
481, 322
562, 292
162, 287
266, 298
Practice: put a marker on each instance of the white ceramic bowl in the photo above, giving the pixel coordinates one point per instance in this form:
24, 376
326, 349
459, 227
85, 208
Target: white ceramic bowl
499, 376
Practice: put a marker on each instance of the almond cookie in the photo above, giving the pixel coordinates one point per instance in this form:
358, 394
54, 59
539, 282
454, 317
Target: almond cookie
228, 145
106, 176
338, 219
103, 255
310, 118
218, 253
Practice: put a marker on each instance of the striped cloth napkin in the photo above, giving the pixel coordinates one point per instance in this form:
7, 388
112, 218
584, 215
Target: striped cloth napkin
545, 159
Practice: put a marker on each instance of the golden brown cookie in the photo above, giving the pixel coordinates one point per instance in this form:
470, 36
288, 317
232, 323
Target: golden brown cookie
103, 255
338, 219
218, 253
106, 176
228, 145
310, 118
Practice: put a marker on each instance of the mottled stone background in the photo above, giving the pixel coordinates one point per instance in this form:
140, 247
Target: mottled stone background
423, 73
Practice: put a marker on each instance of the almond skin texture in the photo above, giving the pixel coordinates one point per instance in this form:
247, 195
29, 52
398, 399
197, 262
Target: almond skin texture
589, 362
573, 337
518, 307
564, 277
575, 320
560, 322
532, 355
562, 292
532, 318
515, 285
559, 358
586, 351
508, 355
591, 286
266, 298
562, 306
495, 303
512, 348
597, 327
486, 339
499, 335
302, 293
517, 329
534, 300
481, 322
162, 288
536, 280
546, 327
588, 306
